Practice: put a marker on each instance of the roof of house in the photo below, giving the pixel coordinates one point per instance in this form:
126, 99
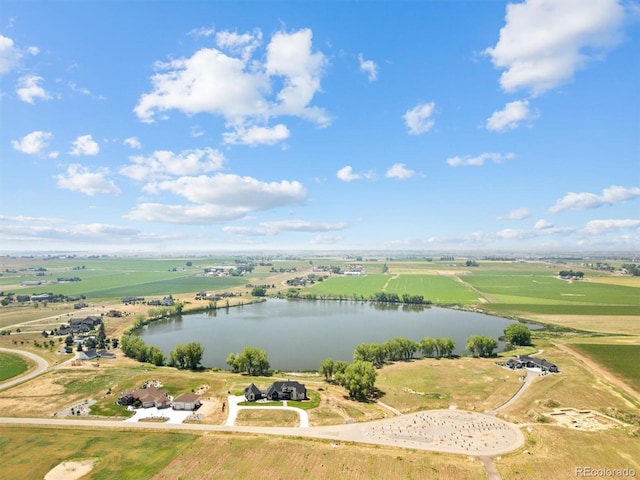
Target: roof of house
252, 388
286, 386
187, 398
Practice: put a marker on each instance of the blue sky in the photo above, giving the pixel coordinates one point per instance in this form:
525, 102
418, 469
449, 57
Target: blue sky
334, 125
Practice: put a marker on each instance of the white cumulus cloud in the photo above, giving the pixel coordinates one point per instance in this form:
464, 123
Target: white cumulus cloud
85, 145
419, 119
163, 164
217, 198
82, 179
510, 117
238, 84
346, 174
399, 171
543, 224
9, 55
369, 67
33, 143
254, 136
544, 42
585, 200
519, 214
133, 142
596, 227
29, 89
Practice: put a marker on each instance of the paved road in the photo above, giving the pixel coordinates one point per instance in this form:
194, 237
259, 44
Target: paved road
447, 431
41, 367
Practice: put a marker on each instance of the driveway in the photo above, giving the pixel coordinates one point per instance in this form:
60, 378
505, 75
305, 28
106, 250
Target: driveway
174, 416
234, 408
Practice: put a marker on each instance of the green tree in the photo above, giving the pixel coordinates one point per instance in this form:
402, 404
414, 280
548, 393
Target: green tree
339, 367
446, 346
518, 334
359, 379
427, 346
258, 291
327, 367
186, 356
363, 352
481, 346
252, 360
156, 356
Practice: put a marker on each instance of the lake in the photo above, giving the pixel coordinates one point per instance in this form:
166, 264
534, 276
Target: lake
298, 334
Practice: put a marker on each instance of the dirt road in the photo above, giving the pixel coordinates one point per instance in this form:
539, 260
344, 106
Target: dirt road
599, 371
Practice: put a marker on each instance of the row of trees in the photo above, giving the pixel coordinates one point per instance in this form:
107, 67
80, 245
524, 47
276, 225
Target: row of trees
403, 349
183, 356
384, 297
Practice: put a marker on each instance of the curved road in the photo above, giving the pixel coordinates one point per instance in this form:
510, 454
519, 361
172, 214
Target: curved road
41, 367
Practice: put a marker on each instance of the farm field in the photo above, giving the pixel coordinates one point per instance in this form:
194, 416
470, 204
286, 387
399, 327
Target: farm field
249, 456
364, 286
616, 358
440, 289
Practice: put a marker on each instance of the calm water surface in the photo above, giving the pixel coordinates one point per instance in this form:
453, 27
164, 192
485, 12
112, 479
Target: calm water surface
298, 335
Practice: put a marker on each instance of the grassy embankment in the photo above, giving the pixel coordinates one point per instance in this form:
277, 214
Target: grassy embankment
12, 365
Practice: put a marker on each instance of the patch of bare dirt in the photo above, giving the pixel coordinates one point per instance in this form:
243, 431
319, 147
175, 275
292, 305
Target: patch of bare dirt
70, 470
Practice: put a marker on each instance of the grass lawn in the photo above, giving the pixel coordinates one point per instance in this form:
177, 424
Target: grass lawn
616, 358
30, 452
12, 365
267, 418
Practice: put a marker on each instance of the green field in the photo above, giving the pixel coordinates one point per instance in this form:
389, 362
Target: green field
30, 452
622, 360
442, 290
349, 286
11, 365
535, 289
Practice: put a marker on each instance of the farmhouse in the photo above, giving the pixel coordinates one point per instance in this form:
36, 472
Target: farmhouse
288, 390
525, 361
186, 401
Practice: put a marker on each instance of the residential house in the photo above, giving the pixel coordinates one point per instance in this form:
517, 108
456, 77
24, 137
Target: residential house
525, 361
148, 397
285, 390
289, 390
186, 401
252, 393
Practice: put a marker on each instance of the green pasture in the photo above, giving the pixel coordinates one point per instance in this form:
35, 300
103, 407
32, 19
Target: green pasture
123, 284
349, 286
30, 452
11, 365
622, 360
438, 289
517, 289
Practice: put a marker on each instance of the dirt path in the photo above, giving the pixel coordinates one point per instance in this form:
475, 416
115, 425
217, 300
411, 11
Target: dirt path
483, 298
599, 370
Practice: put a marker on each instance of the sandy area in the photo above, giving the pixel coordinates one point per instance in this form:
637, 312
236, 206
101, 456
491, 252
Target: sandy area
70, 470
